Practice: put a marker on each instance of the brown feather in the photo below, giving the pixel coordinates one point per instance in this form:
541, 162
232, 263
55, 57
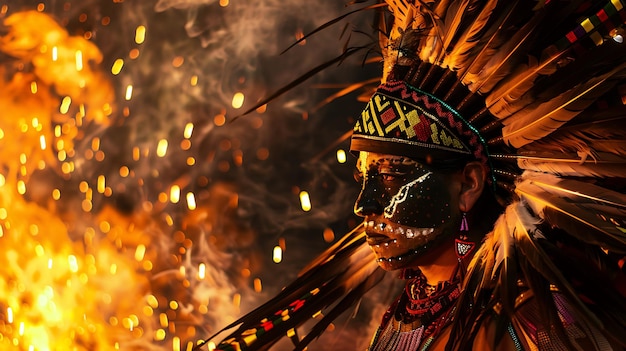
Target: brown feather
605, 133
535, 122
572, 216
601, 165
469, 38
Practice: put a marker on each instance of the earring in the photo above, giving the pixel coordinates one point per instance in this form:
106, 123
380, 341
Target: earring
462, 245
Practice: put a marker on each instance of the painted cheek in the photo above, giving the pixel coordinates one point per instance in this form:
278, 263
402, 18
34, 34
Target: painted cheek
421, 203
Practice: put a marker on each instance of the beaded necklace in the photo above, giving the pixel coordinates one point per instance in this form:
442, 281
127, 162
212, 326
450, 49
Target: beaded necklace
429, 308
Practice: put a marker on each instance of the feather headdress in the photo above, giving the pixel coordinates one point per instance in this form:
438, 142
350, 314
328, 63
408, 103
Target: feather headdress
543, 85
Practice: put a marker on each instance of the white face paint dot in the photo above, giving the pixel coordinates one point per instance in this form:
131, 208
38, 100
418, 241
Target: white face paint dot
410, 234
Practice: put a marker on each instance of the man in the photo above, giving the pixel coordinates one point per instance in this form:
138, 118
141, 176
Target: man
492, 161
426, 206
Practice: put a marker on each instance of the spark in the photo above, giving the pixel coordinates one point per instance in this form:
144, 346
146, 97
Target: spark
174, 194
21, 187
101, 184
191, 201
219, 120
201, 271
188, 130
79, 60
140, 34
162, 148
238, 99
305, 201
277, 256
140, 252
341, 156
117, 66
65, 105
129, 92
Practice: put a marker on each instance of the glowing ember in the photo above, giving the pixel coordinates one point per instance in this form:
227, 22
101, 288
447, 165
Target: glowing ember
341, 156
140, 34
305, 201
278, 254
238, 100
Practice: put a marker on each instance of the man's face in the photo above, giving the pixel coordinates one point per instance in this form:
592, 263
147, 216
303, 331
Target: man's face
406, 205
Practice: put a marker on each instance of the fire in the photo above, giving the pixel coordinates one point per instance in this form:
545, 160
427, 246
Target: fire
74, 278
78, 270
60, 294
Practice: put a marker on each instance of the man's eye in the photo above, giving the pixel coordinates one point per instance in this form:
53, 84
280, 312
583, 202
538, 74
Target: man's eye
388, 177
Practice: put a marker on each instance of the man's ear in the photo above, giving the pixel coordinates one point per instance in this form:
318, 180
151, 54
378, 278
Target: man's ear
473, 178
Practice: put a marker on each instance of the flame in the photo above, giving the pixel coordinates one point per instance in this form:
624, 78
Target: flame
54, 290
76, 278
80, 272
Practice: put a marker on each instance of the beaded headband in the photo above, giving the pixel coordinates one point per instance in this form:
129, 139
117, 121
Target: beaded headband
405, 121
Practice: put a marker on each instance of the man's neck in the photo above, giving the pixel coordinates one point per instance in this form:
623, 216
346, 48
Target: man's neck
439, 265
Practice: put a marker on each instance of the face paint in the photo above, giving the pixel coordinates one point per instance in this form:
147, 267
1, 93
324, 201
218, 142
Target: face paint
402, 195
407, 207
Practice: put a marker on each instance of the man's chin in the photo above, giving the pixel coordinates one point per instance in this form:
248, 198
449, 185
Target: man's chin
413, 257
393, 263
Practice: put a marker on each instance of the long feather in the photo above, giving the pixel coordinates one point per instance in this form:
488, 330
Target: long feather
578, 191
599, 135
330, 23
345, 269
535, 255
501, 63
455, 15
601, 165
514, 220
345, 303
349, 52
575, 218
469, 39
545, 20
489, 43
535, 122
345, 91
553, 80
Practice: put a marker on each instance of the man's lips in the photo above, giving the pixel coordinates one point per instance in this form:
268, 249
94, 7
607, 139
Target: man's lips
375, 239
380, 232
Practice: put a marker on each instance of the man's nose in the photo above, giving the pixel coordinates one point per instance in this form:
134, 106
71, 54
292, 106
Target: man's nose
368, 202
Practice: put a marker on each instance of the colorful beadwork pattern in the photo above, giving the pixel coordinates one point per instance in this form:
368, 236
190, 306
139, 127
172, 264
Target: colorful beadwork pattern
399, 113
